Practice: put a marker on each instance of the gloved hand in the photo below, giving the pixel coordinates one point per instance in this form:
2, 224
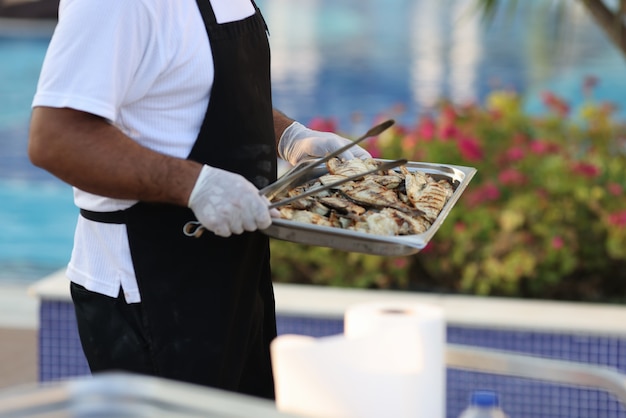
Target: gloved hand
299, 142
226, 203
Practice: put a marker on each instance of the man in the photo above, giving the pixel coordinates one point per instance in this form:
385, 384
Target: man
159, 112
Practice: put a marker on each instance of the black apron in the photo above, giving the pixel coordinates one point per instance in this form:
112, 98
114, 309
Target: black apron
207, 303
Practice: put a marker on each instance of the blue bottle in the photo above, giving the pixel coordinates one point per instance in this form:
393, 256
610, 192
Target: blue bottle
483, 404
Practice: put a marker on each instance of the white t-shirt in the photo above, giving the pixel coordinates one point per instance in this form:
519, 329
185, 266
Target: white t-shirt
146, 66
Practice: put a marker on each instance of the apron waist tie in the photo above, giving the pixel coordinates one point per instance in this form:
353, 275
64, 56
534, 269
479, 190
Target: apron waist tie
116, 217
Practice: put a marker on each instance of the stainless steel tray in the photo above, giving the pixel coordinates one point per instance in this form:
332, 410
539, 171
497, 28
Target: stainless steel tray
360, 242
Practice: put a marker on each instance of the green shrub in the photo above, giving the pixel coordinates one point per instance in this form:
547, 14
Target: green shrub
544, 217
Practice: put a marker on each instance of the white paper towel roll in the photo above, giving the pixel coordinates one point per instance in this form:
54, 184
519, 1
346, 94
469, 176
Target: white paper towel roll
425, 322
389, 363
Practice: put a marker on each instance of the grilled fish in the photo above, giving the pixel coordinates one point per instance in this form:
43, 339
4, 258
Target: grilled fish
342, 205
309, 217
431, 199
377, 223
388, 203
310, 204
408, 225
370, 193
414, 183
387, 180
351, 167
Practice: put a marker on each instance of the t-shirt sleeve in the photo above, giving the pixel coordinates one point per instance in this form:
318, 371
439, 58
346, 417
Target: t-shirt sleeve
96, 54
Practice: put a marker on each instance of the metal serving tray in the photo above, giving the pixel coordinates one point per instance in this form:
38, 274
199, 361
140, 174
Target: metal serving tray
352, 241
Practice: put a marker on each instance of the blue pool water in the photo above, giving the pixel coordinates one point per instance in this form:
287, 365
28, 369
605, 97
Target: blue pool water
332, 58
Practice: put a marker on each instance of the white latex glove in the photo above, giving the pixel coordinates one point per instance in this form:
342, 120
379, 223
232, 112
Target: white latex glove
226, 203
299, 142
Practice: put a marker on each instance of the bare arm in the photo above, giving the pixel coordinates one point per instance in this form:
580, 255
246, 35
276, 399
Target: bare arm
281, 122
86, 151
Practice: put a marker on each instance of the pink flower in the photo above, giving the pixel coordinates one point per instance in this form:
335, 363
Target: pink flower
429, 248
459, 227
448, 113
555, 103
539, 147
618, 219
400, 263
515, 154
426, 128
615, 189
511, 177
485, 193
557, 243
373, 148
470, 149
490, 192
585, 169
323, 125
449, 131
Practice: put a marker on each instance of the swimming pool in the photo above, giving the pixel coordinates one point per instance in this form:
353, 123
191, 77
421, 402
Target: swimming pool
330, 58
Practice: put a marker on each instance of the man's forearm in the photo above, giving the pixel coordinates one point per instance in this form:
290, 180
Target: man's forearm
87, 152
281, 122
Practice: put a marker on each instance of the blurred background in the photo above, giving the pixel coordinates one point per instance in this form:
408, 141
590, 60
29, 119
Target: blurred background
344, 63
531, 93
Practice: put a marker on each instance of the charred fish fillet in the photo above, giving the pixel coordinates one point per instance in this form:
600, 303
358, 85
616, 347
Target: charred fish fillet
431, 200
387, 203
370, 193
351, 167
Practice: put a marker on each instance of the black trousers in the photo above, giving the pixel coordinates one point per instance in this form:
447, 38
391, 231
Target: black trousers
115, 336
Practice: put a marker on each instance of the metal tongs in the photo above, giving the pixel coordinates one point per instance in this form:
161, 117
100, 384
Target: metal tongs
313, 191
305, 168
195, 228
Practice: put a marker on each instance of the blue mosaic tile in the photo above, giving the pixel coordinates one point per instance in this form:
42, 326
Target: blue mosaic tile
60, 352
314, 327
60, 357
